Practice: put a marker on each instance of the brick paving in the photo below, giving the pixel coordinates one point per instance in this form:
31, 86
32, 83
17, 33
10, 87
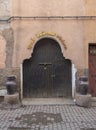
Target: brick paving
48, 117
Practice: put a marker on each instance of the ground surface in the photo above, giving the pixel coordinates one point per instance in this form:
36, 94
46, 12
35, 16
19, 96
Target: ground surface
48, 117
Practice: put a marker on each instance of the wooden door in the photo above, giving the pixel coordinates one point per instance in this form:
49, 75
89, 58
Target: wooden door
47, 73
92, 69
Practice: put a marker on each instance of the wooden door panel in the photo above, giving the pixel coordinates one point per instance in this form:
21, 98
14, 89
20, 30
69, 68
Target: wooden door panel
92, 70
47, 73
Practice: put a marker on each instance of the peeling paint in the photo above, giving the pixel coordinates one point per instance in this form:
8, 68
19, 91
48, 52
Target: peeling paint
2, 51
4, 7
9, 37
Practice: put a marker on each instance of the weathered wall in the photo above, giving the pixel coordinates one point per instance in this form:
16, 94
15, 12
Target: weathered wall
6, 48
6, 45
76, 33
89, 25
4, 8
9, 37
4, 32
47, 8
6, 55
90, 7
72, 31
2, 51
4, 13
17, 36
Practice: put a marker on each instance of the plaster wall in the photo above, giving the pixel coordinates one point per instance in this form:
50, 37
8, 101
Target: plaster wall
4, 32
90, 36
4, 14
4, 8
77, 33
72, 31
47, 8
89, 25
2, 52
90, 7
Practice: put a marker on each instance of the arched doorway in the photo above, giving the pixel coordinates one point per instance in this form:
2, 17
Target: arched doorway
47, 73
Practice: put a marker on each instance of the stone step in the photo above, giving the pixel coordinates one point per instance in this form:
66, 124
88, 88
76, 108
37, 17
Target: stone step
12, 99
83, 100
47, 101
93, 101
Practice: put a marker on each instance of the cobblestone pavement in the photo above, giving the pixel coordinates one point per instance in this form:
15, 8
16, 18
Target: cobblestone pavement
48, 117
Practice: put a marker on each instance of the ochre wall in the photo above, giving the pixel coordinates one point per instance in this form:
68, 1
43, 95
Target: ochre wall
90, 7
70, 31
47, 7
76, 33
2, 51
16, 35
89, 25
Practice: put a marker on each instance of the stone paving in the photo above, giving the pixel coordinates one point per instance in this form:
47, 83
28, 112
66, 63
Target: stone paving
48, 117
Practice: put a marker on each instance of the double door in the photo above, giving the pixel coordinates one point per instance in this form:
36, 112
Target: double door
47, 73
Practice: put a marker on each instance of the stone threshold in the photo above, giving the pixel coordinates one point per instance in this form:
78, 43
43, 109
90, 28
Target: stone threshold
46, 101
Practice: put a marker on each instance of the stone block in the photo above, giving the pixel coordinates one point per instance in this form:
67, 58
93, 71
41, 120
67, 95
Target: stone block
12, 99
83, 100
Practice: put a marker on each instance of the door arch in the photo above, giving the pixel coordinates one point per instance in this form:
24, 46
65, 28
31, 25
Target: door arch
47, 73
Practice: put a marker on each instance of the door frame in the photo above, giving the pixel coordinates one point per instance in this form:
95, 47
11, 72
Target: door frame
73, 69
90, 44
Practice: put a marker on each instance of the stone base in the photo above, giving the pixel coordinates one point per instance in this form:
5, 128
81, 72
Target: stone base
93, 102
83, 100
12, 99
